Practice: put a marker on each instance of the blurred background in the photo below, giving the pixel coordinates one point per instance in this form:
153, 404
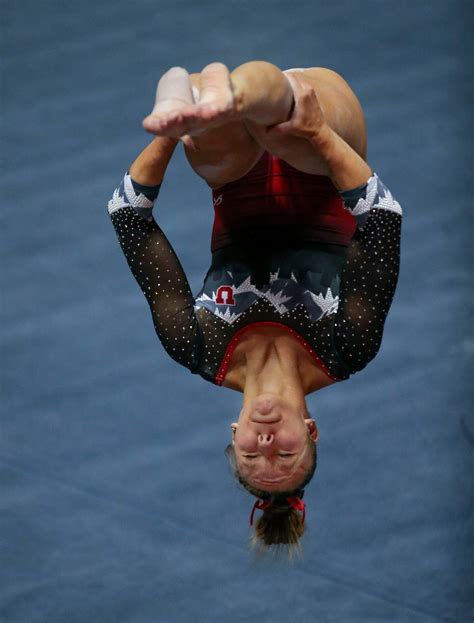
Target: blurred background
116, 503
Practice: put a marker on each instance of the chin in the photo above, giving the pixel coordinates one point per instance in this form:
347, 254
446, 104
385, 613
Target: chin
268, 401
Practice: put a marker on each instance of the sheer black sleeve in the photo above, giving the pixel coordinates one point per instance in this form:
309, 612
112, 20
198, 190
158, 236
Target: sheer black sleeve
157, 270
370, 273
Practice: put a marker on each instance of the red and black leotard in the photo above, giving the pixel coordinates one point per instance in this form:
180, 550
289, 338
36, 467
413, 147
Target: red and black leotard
275, 201
284, 254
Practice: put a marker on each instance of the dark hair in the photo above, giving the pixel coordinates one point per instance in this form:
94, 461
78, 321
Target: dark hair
280, 524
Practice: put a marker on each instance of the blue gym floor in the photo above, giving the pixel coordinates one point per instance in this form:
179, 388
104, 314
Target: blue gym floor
116, 505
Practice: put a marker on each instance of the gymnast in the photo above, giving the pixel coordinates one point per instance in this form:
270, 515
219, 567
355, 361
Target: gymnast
305, 258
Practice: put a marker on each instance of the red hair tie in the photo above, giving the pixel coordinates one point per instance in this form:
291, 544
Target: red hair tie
298, 504
261, 505
295, 502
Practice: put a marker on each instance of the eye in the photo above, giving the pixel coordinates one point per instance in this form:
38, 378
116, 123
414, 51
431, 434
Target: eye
249, 456
285, 456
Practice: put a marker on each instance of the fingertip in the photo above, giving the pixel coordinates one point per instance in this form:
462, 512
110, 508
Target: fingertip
282, 128
274, 130
188, 141
147, 124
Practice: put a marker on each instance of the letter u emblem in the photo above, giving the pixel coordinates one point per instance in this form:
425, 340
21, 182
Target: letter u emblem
225, 296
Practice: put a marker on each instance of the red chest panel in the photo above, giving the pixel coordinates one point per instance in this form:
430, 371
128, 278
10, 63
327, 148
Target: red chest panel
275, 199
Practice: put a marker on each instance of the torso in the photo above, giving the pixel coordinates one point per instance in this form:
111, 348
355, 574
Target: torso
278, 243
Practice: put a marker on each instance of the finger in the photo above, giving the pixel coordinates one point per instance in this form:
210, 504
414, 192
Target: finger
294, 82
280, 128
188, 141
300, 78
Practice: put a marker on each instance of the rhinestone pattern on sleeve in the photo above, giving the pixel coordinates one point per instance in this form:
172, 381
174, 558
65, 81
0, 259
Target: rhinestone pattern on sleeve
130, 193
161, 278
370, 274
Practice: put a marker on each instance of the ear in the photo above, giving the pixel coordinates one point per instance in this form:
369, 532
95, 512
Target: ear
233, 427
312, 429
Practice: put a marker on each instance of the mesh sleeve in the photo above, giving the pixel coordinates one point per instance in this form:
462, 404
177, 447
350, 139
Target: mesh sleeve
158, 272
370, 273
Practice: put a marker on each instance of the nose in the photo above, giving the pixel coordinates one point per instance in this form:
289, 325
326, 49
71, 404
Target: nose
265, 439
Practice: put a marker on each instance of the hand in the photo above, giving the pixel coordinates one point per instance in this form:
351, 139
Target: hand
189, 142
307, 119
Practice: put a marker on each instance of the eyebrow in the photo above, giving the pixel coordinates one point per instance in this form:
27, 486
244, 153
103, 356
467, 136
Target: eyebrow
293, 456
277, 456
286, 477
262, 483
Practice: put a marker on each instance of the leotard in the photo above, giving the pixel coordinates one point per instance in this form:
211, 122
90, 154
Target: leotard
329, 287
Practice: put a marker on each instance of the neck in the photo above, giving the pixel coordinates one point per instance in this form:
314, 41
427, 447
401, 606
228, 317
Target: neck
268, 359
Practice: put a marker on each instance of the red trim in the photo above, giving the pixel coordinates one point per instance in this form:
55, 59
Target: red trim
235, 340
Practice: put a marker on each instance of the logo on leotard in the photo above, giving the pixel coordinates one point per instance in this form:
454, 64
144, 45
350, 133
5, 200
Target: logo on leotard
218, 200
225, 296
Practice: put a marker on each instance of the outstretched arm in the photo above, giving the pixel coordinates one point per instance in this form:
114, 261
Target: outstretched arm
150, 256
370, 272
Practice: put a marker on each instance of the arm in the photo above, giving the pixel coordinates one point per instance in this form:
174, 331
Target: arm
150, 256
347, 169
370, 272
150, 166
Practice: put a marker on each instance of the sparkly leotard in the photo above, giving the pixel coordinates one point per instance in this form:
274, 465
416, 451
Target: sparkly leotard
331, 297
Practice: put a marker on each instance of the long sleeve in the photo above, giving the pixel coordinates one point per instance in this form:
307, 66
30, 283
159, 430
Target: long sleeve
157, 270
370, 273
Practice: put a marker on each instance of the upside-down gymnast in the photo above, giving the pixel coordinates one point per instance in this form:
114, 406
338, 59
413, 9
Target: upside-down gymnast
305, 257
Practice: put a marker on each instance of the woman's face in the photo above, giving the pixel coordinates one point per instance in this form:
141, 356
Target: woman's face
272, 443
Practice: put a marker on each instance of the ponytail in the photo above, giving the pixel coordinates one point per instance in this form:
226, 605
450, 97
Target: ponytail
281, 523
